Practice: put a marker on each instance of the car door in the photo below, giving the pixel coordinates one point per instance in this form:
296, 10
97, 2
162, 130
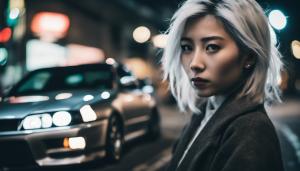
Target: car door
134, 107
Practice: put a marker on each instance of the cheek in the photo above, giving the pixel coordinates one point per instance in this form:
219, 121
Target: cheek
228, 70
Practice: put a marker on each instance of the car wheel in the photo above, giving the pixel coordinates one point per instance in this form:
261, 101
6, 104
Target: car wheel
115, 141
154, 131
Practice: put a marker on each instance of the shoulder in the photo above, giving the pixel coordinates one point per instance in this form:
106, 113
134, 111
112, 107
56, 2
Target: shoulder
254, 120
252, 126
249, 142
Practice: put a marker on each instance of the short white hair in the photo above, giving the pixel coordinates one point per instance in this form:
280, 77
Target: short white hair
246, 23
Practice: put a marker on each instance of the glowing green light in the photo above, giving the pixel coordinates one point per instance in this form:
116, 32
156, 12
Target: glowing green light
14, 13
3, 56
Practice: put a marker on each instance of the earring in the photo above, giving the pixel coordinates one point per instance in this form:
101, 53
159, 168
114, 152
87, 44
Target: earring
248, 66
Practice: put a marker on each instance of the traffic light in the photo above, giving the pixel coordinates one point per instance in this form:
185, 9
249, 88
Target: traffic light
5, 34
5, 31
12, 17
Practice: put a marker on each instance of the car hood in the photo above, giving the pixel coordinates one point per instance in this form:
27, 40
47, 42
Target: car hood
21, 106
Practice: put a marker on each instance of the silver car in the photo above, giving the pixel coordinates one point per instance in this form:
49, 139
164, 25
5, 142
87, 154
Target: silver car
71, 115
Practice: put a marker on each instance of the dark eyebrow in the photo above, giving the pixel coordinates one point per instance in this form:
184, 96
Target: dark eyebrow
204, 39
185, 39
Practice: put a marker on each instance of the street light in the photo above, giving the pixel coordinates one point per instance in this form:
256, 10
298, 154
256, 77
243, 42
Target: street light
50, 26
141, 34
296, 49
160, 40
277, 19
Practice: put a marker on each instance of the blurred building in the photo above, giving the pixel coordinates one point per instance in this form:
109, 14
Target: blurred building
54, 32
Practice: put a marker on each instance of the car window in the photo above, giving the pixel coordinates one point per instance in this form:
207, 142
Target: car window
67, 79
74, 79
35, 83
103, 80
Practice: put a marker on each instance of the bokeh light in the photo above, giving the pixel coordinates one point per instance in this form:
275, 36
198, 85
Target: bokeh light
296, 48
277, 19
141, 34
3, 56
160, 40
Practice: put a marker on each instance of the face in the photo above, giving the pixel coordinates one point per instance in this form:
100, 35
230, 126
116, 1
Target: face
210, 57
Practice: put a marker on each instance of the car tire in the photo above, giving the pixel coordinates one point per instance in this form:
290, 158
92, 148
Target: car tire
154, 131
115, 139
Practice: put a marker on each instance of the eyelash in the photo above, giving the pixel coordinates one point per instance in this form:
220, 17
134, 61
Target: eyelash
210, 48
215, 48
186, 48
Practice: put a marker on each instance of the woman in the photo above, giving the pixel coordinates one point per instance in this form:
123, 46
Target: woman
222, 65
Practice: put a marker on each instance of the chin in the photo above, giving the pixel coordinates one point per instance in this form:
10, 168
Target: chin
205, 93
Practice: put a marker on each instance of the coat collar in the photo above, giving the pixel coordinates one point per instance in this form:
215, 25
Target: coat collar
231, 108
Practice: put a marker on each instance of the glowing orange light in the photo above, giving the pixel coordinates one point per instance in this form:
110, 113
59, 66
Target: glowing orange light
66, 143
50, 25
5, 35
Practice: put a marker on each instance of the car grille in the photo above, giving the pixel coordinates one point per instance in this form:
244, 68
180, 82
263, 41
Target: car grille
9, 124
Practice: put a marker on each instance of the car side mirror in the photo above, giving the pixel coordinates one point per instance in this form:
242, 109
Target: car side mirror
128, 82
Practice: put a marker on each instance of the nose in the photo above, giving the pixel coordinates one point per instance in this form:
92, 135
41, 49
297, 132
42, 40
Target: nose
197, 64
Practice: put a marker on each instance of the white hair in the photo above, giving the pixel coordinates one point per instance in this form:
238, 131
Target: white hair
246, 23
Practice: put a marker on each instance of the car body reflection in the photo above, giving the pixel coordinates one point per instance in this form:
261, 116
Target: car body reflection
71, 115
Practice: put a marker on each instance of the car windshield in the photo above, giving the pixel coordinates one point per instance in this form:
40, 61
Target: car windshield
66, 79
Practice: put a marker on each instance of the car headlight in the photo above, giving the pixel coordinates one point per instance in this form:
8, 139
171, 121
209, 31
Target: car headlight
32, 122
37, 121
46, 121
88, 114
61, 118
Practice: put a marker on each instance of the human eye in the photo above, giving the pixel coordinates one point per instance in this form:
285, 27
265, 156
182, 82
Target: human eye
185, 47
212, 48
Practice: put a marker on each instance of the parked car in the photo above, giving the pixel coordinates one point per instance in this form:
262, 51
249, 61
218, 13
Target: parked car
70, 115
286, 119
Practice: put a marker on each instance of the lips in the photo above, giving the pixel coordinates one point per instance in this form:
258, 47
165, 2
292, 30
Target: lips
199, 82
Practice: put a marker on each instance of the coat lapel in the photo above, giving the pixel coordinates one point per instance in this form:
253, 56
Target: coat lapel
223, 116
185, 138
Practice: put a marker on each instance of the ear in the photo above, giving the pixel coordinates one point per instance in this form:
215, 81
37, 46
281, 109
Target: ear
249, 61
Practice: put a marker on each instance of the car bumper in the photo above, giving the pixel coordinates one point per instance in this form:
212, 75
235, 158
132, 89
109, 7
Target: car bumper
45, 147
